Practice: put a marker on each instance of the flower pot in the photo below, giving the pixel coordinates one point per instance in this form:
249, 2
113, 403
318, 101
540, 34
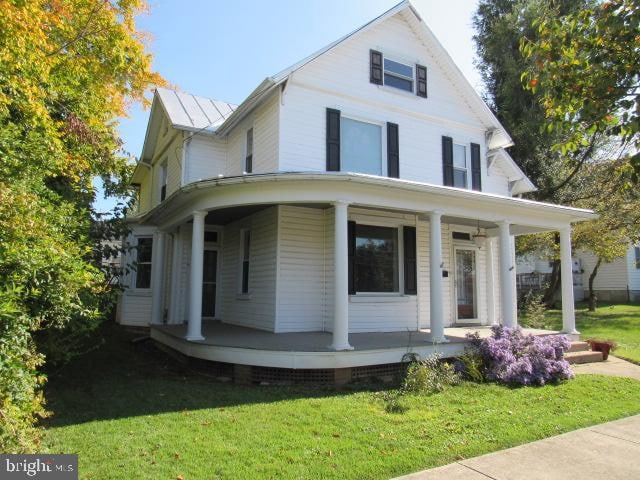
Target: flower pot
604, 347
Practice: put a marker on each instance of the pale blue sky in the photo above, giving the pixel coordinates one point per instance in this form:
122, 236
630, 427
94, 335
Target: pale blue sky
224, 49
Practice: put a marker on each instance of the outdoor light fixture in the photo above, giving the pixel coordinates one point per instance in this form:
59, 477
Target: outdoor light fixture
479, 238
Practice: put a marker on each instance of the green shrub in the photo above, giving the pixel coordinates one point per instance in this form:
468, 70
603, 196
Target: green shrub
471, 366
534, 312
430, 375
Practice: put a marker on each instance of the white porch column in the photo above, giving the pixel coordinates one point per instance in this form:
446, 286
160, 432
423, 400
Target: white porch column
157, 279
506, 267
194, 330
341, 279
436, 298
491, 283
566, 280
176, 264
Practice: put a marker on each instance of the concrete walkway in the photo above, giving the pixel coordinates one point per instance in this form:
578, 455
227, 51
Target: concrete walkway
614, 366
610, 450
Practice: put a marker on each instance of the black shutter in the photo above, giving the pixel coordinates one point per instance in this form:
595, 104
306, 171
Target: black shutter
476, 180
393, 151
333, 140
410, 273
351, 229
421, 81
447, 161
375, 67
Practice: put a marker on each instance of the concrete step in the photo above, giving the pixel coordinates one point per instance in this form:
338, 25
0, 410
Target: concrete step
583, 357
579, 347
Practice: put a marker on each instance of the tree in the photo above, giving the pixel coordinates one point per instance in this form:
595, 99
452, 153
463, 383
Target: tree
584, 66
68, 69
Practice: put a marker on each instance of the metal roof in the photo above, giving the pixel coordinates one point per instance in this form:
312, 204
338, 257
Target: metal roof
190, 112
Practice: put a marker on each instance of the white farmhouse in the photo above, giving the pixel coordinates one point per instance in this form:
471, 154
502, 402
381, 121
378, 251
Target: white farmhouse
354, 203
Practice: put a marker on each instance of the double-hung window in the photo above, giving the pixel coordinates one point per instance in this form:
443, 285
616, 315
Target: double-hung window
398, 75
460, 166
360, 146
163, 180
245, 255
144, 252
376, 259
248, 159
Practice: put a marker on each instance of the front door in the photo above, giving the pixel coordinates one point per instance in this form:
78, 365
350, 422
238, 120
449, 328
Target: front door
466, 285
209, 273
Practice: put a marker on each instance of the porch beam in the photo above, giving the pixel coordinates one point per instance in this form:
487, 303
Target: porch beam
157, 279
194, 329
506, 268
566, 280
436, 297
341, 278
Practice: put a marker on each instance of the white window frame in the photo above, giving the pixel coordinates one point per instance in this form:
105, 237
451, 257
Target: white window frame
134, 281
467, 162
404, 62
163, 178
383, 139
246, 150
241, 261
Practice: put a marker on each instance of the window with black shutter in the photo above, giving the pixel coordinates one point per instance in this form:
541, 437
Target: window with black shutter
421, 81
333, 140
476, 177
410, 270
375, 67
393, 151
447, 161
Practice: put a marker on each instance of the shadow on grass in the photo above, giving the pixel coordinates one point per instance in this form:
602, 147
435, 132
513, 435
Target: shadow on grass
121, 379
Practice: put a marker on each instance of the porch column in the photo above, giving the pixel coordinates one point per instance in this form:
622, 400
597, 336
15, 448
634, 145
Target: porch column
157, 279
176, 263
491, 283
566, 280
436, 298
340, 279
194, 330
506, 266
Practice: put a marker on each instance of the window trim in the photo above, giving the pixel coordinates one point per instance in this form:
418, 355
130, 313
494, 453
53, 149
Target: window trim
137, 263
467, 160
248, 157
163, 178
244, 258
406, 63
383, 140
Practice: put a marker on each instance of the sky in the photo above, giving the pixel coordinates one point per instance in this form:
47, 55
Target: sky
224, 49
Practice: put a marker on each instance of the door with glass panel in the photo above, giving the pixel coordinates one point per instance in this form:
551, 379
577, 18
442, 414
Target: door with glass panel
465, 286
209, 274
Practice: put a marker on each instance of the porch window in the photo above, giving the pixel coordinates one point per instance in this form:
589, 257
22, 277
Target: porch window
376, 259
245, 245
248, 160
144, 250
360, 146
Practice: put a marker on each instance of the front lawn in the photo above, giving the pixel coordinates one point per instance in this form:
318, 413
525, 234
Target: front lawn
130, 413
618, 322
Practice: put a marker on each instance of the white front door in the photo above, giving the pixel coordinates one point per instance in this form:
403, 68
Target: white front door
465, 286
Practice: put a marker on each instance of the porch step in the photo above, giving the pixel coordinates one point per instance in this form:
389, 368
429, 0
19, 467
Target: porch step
583, 357
578, 347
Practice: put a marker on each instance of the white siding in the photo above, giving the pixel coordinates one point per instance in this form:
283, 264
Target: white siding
301, 278
634, 271
206, 158
610, 276
257, 309
340, 79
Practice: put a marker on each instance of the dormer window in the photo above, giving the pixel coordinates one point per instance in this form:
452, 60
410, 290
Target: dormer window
398, 75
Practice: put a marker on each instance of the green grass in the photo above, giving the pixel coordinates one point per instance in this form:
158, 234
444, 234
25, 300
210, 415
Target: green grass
620, 323
131, 413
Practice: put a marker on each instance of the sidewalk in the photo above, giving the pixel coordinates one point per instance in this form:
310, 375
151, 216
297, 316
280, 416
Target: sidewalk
616, 367
610, 450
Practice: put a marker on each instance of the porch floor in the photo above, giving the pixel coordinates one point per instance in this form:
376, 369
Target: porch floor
227, 335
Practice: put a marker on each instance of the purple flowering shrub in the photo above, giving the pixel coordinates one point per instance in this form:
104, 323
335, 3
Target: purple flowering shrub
515, 358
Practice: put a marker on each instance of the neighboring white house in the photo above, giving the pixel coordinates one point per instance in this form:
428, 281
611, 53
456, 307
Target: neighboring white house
364, 189
616, 281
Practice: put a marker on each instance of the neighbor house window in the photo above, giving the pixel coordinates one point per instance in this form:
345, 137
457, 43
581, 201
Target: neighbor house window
163, 181
360, 146
144, 250
637, 250
459, 166
245, 255
248, 160
376, 259
398, 75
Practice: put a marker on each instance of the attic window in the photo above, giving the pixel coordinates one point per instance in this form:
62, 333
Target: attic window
398, 75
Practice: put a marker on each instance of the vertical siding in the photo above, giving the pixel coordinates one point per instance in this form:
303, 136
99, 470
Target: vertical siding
301, 276
256, 310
